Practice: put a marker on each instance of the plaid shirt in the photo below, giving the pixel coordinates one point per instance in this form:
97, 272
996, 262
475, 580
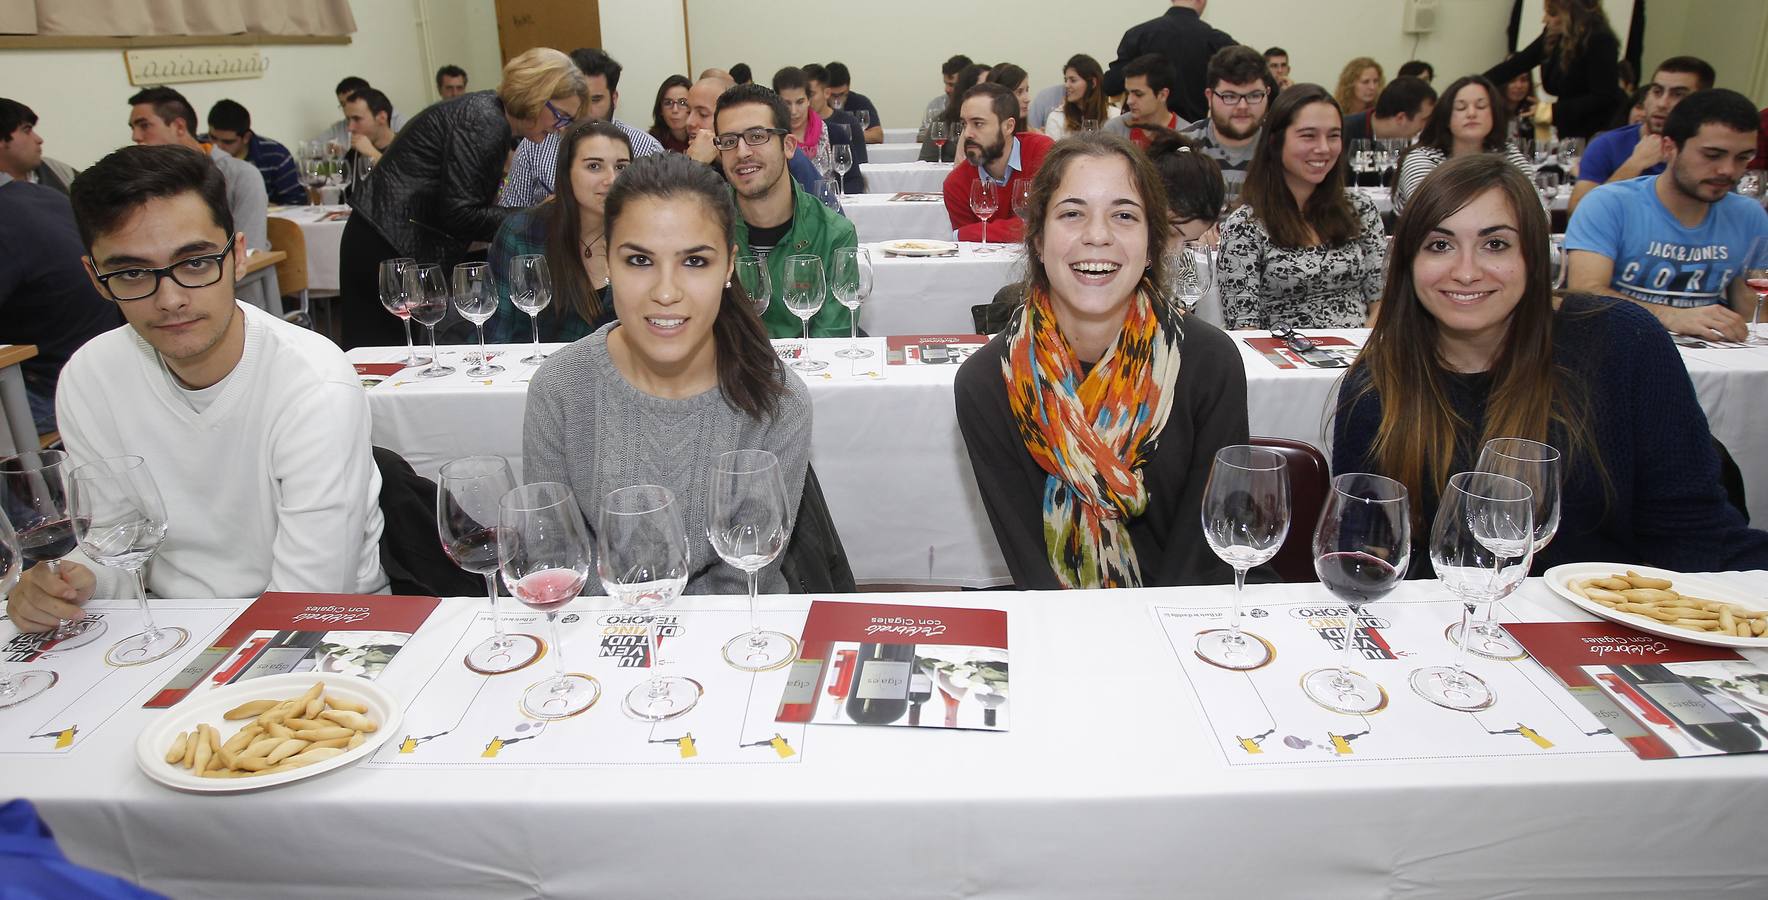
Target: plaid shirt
523, 233
531, 173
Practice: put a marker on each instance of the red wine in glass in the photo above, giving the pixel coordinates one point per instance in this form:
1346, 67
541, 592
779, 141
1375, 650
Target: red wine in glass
549, 589
475, 552
49, 540
1356, 577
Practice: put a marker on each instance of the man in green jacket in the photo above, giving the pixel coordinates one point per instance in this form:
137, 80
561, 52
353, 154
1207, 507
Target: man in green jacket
776, 219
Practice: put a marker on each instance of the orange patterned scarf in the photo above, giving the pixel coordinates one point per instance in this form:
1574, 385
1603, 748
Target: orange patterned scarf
1092, 432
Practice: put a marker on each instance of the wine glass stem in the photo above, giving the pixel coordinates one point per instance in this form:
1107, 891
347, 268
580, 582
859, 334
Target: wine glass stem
657, 688
552, 625
1467, 610
852, 327
484, 361
149, 629
806, 320
985, 230
1234, 616
435, 357
410, 351
1756, 320
496, 614
534, 320
1350, 645
754, 588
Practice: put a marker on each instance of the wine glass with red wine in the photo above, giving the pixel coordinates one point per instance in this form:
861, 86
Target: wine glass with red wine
34, 497
544, 552
1361, 548
467, 495
1755, 273
16, 688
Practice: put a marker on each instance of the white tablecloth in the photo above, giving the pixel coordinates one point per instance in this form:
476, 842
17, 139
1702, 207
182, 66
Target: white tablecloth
899, 135
889, 178
892, 462
324, 236
907, 151
1107, 785
878, 218
933, 295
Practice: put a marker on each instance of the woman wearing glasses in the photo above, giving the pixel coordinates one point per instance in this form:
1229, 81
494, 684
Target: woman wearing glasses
1302, 252
434, 191
669, 115
569, 230
684, 372
1472, 345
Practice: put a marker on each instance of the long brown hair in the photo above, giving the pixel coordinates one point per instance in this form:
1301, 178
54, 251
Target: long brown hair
1346, 95
1584, 19
1266, 189
1437, 131
572, 292
1092, 103
1149, 190
1011, 77
1531, 396
749, 374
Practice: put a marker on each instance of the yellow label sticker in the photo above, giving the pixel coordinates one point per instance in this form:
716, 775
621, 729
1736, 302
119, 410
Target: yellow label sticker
781, 747
688, 750
492, 748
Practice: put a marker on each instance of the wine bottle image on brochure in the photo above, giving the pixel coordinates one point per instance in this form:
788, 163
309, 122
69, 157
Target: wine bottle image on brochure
920, 691
1692, 711
880, 693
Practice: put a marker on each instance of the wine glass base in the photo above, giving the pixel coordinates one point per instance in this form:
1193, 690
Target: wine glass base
675, 695
534, 359
986, 249
809, 365
484, 371
761, 651
436, 371
412, 361
1442, 685
75, 635
27, 685
1489, 641
853, 353
1240, 652
143, 648
1353, 693
515, 651
561, 696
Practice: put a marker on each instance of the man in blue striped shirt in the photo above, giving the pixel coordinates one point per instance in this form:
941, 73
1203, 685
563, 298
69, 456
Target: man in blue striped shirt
230, 128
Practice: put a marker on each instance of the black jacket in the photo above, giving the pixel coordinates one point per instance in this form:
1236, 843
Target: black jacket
1187, 42
1589, 91
435, 190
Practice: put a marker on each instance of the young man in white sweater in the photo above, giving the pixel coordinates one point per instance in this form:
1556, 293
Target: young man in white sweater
255, 430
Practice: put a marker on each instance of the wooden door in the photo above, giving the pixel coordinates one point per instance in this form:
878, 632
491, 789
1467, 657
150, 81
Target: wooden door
561, 24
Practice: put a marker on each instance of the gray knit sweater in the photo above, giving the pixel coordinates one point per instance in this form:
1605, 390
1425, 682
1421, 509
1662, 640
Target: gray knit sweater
587, 426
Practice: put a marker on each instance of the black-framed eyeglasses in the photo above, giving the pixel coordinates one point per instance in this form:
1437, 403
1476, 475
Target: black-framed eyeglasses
561, 120
1293, 339
672, 103
1232, 98
754, 137
192, 272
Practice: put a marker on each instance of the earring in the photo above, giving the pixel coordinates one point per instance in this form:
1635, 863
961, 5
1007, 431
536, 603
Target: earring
727, 284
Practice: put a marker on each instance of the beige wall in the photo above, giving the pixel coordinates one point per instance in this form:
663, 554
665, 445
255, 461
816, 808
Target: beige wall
81, 96
1730, 34
646, 37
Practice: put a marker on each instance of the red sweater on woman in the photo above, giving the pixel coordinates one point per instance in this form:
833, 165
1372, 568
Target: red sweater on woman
1004, 225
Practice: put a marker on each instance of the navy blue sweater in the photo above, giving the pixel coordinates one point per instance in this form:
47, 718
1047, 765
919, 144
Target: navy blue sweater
1667, 508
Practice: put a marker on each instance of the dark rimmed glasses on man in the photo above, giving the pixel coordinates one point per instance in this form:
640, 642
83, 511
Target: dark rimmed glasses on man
1233, 98
139, 283
754, 137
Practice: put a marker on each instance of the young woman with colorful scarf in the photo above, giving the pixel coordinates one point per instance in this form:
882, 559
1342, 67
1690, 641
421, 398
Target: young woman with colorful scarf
1090, 442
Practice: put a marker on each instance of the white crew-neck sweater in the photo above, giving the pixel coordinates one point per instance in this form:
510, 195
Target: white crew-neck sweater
272, 486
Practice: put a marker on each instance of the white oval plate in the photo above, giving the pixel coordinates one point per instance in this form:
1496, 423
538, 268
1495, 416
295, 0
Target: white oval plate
1559, 579
918, 247
150, 748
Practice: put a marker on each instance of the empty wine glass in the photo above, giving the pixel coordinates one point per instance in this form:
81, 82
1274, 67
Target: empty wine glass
843, 164
429, 306
1245, 519
120, 521
1547, 185
642, 560
1361, 547
1569, 151
804, 292
467, 495
1755, 274
1481, 545
1021, 196
477, 303
747, 523
34, 497
757, 284
1361, 156
396, 297
22, 686
1536, 465
1557, 265
1192, 273
531, 291
865, 119
984, 201
544, 553
1089, 124
852, 285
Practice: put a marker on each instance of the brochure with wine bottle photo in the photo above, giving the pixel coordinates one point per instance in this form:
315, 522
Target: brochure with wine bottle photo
1663, 698
913, 666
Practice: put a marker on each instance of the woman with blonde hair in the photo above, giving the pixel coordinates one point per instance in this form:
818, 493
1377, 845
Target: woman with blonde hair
1359, 84
434, 191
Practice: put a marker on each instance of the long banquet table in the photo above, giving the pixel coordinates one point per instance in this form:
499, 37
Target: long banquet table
893, 466
1107, 785
877, 217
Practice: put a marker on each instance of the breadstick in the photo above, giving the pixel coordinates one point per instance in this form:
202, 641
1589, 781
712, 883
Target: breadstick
175, 755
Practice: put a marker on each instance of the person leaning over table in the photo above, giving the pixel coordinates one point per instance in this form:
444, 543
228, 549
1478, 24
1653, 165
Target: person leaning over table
1090, 443
570, 231
529, 179
683, 374
1469, 120
254, 430
1472, 345
777, 219
994, 154
1302, 251
1579, 55
434, 192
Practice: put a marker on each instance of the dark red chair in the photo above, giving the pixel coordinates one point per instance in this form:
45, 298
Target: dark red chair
1309, 480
